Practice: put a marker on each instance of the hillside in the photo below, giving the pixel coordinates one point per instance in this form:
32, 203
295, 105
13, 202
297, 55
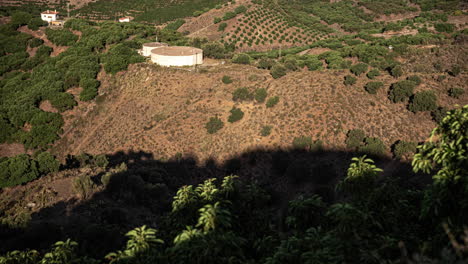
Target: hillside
314, 131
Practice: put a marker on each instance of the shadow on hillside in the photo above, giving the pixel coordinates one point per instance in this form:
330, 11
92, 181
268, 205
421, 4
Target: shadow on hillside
143, 193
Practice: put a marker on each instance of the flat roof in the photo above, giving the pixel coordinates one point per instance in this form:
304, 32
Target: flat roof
176, 51
50, 12
155, 44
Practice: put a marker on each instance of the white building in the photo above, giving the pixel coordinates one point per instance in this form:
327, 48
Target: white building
177, 56
50, 16
148, 47
124, 19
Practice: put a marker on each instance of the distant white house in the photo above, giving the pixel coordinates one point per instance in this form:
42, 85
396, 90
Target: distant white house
124, 19
50, 16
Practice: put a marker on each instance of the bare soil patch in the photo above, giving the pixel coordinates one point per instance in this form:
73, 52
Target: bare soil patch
10, 150
47, 107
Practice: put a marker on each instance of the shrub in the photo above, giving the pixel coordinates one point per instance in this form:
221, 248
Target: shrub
20, 18
100, 161
35, 42
242, 94
214, 50
401, 91
266, 131
372, 87
241, 58
47, 163
439, 114
402, 148
372, 146
358, 69
349, 80
214, 125
313, 64
61, 37
456, 69
396, 71
17, 170
36, 22
63, 101
240, 9
236, 115
456, 92
216, 20
272, 101
355, 138
83, 186
226, 79
260, 95
302, 142
89, 89
266, 63
373, 73
278, 71
415, 79
423, 101
229, 15
222, 26
444, 27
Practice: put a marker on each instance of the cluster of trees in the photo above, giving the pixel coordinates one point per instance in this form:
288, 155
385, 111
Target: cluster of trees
236, 220
23, 168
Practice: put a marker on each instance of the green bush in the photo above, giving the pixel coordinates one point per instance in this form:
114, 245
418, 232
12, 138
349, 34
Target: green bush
222, 26
229, 15
444, 27
214, 125
401, 91
20, 18
17, 170
214, 50
272, 101
350, 80
265, 131
396, 71
242, 94
63, 101
260, 95
47, 163
216, 20
266, 63
372, 87
373, 73
373, 146
226, 79
61, 37
456, 92
240, 9
313, 64
241, 58
403, 148
36, 22
455, 70
355, 138
302, 142
35, 42
236, 115
278, 71
89, 89
423, 101
358, 69
414, 78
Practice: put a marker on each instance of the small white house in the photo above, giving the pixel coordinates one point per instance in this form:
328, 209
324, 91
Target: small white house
124, 19
50, 16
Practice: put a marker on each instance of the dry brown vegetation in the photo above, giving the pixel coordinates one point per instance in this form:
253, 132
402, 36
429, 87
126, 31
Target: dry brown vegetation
164, 112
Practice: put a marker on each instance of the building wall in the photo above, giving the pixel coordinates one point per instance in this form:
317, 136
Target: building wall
190, 60
49, 17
